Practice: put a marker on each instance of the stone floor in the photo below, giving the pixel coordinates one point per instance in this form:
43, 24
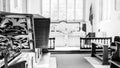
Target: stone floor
92, 60
96, 63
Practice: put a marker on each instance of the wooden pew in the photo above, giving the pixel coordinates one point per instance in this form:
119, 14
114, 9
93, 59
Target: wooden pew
104, 56
103, 53
115, 59
107, 51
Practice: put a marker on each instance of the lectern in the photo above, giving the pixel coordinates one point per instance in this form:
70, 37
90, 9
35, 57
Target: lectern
16, 35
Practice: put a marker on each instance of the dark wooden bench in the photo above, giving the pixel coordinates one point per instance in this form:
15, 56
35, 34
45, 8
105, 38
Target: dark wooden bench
106, 51
115, 59
104, 55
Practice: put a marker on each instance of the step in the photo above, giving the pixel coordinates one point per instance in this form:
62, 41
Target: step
44, 61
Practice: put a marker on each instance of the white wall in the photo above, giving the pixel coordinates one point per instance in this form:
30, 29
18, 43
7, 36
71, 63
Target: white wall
110, 24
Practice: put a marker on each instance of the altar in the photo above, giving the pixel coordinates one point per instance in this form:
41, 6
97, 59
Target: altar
66, 34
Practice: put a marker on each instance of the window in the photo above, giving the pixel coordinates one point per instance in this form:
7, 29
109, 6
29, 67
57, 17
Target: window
100, 9
117, 5
104, 10
63, 10
70, 10
54, 10
46, 8
2, 5
79, 10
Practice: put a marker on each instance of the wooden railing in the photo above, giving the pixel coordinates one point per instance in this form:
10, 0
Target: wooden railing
51, 44
85, 43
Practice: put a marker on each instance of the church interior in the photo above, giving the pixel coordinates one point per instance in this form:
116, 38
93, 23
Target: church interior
59, 34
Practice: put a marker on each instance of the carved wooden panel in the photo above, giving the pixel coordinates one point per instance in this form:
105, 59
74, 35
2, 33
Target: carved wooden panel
17, 29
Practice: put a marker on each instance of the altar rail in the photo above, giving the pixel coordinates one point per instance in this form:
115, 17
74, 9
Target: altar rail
51, 44
85, 43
